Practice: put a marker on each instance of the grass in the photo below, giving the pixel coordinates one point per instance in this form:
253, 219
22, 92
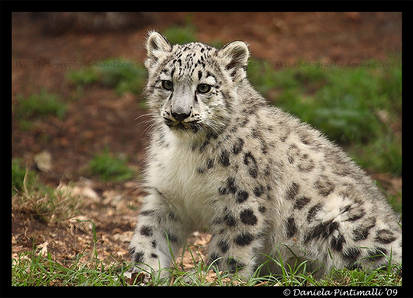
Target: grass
354, 106
396, 201
182, 34
33, 269
38, 106
384, 154
121, 74
186, 34
18, 175
216, 44
42, 202
110, 168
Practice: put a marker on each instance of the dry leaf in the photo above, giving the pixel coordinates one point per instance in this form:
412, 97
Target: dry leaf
111, 197
86, 192
80, 222
124, 237
43, 249
138, 278
131, 184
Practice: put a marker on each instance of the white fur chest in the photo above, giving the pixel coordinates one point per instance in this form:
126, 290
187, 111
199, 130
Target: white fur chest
174, 172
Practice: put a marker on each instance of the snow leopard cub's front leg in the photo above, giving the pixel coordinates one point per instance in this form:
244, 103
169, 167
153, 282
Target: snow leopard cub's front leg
158, 236
236, 230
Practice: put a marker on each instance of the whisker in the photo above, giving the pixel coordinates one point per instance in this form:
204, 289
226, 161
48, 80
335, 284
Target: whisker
145, 115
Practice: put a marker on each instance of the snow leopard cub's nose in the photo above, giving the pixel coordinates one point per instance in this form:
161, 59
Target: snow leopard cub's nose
180, 114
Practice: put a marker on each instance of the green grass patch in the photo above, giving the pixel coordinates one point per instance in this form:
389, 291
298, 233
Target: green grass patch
383, 154
344, 103
216, 44
39, 105
32, 269
181, 34
394, 198
110, 168
18, 175
395, 202
121, 74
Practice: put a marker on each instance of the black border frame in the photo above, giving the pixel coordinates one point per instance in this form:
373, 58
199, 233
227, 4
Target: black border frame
6, 10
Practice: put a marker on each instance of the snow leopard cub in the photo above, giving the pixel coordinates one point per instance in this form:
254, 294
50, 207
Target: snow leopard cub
260, 181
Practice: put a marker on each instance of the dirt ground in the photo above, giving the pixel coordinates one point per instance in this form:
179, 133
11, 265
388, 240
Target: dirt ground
42, 53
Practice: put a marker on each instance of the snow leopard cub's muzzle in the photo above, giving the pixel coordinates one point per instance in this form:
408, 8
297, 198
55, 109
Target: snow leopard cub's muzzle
181, 110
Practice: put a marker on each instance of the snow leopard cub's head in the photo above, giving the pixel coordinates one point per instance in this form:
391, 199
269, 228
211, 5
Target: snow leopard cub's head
192, 87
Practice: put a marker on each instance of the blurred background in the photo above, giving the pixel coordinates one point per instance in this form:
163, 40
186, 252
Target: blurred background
79, 123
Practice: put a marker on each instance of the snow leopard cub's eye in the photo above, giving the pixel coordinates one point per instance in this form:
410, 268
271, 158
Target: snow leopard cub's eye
167, 85
203, 88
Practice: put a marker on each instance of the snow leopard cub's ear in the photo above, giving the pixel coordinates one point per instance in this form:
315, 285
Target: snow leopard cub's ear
156, 46
235, 58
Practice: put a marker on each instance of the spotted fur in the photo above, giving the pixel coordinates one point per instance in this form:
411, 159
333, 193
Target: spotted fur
260, 181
